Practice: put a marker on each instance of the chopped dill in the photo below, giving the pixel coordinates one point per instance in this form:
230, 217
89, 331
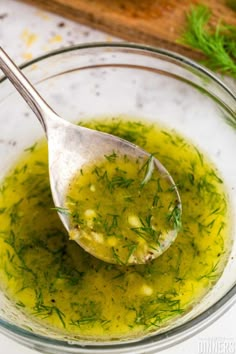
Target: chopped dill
116, 257
218, 42
40, 163
191, 178
44, 311
156, 198
84, 320
222, 226
146, 231
131, 247
200, 156
15, 215
31, 148
121, 182
159, 187
61, 286
112, 157
212, 273
114, 223
175, 217
62, 210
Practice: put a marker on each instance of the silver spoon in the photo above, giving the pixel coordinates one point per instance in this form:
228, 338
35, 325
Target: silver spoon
71, 147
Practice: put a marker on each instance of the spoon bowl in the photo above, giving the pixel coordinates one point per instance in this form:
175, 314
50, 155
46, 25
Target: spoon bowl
71, 147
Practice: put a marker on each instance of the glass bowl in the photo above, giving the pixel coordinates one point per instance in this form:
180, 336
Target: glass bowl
137, 81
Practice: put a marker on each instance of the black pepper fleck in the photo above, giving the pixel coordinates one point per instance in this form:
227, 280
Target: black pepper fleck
2, 16
61, 24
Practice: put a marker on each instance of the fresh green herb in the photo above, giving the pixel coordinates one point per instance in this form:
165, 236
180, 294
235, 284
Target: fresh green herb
159, 187
36, 254
128, 199
213, 174
132, 248
114, 223
117, 181
88, 319
85, 320
111, 158
217, 43
23, 169
109, 223
175, 217
40, 163
121, 182
31, 148
62, 210
200, 156
87, 313
116, 257
212, 273
14, 213
191, 178
155, 200
222, 226
146, 231
154, 312
44, 311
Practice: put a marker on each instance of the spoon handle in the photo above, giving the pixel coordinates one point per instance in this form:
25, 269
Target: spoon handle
26, 90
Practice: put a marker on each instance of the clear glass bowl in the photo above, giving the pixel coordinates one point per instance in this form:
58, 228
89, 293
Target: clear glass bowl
138, 81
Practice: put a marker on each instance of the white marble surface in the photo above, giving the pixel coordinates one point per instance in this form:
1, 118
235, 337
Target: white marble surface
26, 32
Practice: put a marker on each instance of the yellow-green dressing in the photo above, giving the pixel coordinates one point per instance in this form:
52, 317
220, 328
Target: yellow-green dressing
58, 284
123, 210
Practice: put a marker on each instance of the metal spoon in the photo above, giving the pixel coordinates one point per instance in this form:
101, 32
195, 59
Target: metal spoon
71, 147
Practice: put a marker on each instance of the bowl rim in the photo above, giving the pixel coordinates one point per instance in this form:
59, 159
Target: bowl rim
129, 45
172, 336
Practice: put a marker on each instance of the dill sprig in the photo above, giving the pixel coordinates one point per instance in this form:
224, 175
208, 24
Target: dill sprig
32, 147
217, 43
175, 217
45, 311
61, 210
112, 157
146, 231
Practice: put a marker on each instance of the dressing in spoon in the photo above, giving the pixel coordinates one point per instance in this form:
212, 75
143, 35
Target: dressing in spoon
87, 168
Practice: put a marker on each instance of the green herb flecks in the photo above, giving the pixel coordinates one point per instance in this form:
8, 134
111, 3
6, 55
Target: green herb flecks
31, 148
120, 181
58, 285
62, 210
146, 231
112, 157
174, 216
154, 312
44, 311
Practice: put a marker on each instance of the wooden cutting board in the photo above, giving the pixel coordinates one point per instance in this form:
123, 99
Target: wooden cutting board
153, 22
